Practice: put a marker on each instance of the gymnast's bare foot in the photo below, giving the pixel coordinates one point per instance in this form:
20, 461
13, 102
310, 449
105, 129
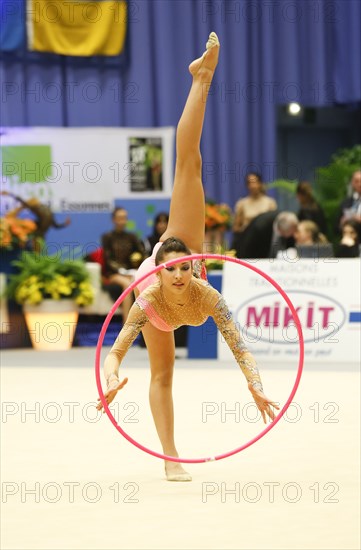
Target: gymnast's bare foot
174, 471
209, 59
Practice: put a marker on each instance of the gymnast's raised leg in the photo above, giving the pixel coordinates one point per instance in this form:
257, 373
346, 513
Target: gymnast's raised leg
187, 208
186, 221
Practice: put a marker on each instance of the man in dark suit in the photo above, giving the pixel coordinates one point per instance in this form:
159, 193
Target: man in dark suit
350, 208
266, 235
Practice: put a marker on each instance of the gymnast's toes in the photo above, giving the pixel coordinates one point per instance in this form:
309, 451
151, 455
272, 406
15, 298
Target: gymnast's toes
212, 41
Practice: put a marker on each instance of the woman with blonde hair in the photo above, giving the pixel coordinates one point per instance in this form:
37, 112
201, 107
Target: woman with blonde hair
308, 233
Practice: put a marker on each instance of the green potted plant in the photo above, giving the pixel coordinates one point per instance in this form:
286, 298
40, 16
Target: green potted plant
50, 289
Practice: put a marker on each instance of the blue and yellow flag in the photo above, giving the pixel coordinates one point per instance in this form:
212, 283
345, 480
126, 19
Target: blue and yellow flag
77, 28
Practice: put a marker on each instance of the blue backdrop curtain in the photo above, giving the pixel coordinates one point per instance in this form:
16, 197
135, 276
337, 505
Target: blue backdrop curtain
272, 52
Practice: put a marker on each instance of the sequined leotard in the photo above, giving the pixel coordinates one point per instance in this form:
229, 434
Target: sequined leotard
204, 301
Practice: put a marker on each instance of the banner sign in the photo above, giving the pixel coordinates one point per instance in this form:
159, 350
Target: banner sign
326, 295
86, 169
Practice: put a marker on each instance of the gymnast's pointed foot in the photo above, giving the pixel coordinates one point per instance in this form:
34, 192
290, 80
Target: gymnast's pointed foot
174, 471
209, 59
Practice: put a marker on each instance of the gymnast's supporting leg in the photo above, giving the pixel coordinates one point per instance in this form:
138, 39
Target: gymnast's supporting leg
187, 210
161, 350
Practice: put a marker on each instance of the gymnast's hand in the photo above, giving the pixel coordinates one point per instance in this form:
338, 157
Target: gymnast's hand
263, 403
111, 392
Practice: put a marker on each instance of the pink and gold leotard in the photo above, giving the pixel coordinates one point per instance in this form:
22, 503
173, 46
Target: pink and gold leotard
204, 301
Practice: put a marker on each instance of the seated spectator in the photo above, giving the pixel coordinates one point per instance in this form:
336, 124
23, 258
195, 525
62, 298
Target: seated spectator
310, 242
308, 233
309, 207
122, 251
351, 207
159, 226
255, 204
267, 234
349, 246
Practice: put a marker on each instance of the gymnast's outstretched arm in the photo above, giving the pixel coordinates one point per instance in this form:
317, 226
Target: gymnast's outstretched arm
133, 325
227, 327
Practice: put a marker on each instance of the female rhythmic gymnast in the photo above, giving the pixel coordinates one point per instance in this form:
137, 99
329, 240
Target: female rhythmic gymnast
178, 295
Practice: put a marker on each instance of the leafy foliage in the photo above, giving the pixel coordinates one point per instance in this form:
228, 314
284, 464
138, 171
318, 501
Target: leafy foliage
288, 186
42, 276
332, 182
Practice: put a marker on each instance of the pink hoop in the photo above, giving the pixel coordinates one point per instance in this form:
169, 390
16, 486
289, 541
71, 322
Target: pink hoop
155, 270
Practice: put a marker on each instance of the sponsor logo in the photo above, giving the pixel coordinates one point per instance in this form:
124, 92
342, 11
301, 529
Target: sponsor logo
268, 318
